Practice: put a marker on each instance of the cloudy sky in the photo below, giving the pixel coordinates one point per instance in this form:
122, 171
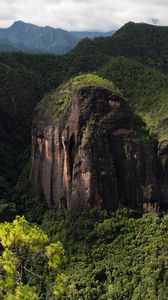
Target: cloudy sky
101, 15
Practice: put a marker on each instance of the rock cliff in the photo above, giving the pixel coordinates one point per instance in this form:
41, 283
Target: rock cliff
89, 152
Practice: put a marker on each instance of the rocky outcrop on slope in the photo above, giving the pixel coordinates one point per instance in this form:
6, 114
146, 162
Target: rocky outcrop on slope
86, 152
163, 159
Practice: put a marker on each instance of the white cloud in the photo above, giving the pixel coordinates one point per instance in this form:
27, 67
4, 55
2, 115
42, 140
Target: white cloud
6, 12
82, 14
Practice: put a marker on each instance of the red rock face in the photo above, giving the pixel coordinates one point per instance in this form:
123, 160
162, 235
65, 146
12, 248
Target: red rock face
93, 158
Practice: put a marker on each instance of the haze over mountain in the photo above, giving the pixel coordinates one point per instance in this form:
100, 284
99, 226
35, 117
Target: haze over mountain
91, 34
31, 38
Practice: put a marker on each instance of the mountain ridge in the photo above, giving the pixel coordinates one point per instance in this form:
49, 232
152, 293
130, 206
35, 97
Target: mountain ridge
28, 37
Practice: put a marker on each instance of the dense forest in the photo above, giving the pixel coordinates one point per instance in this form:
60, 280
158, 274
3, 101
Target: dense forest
93, 254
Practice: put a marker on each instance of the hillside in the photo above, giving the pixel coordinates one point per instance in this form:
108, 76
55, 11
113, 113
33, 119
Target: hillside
20, 89
6, 46
143, 42
114, 256
31, 38
145, 87
94, 176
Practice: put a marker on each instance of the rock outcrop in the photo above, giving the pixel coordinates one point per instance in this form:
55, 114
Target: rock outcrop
89, 153
163, 159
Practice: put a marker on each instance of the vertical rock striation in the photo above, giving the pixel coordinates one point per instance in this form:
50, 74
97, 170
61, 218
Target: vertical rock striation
89, 155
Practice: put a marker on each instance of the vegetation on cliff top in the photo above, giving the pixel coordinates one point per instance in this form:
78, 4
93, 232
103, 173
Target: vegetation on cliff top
57, 103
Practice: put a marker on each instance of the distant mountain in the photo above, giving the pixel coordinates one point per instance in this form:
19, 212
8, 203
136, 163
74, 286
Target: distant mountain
5, 45
91, 35
31, 38
8, 46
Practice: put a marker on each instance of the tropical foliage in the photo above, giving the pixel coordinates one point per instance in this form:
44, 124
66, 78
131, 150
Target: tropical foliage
115, 256
29, 263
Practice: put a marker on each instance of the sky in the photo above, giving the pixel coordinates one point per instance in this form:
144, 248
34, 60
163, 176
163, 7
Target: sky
100, 15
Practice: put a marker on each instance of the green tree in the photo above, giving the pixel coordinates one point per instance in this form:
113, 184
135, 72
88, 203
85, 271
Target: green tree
29, 263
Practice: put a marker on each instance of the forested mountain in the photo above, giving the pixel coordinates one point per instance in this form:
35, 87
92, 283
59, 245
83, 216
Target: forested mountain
143, 85
32, 38
144, 42
121, 255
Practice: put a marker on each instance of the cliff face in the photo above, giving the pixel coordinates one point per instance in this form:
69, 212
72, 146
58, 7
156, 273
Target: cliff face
92, 157
163, 159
